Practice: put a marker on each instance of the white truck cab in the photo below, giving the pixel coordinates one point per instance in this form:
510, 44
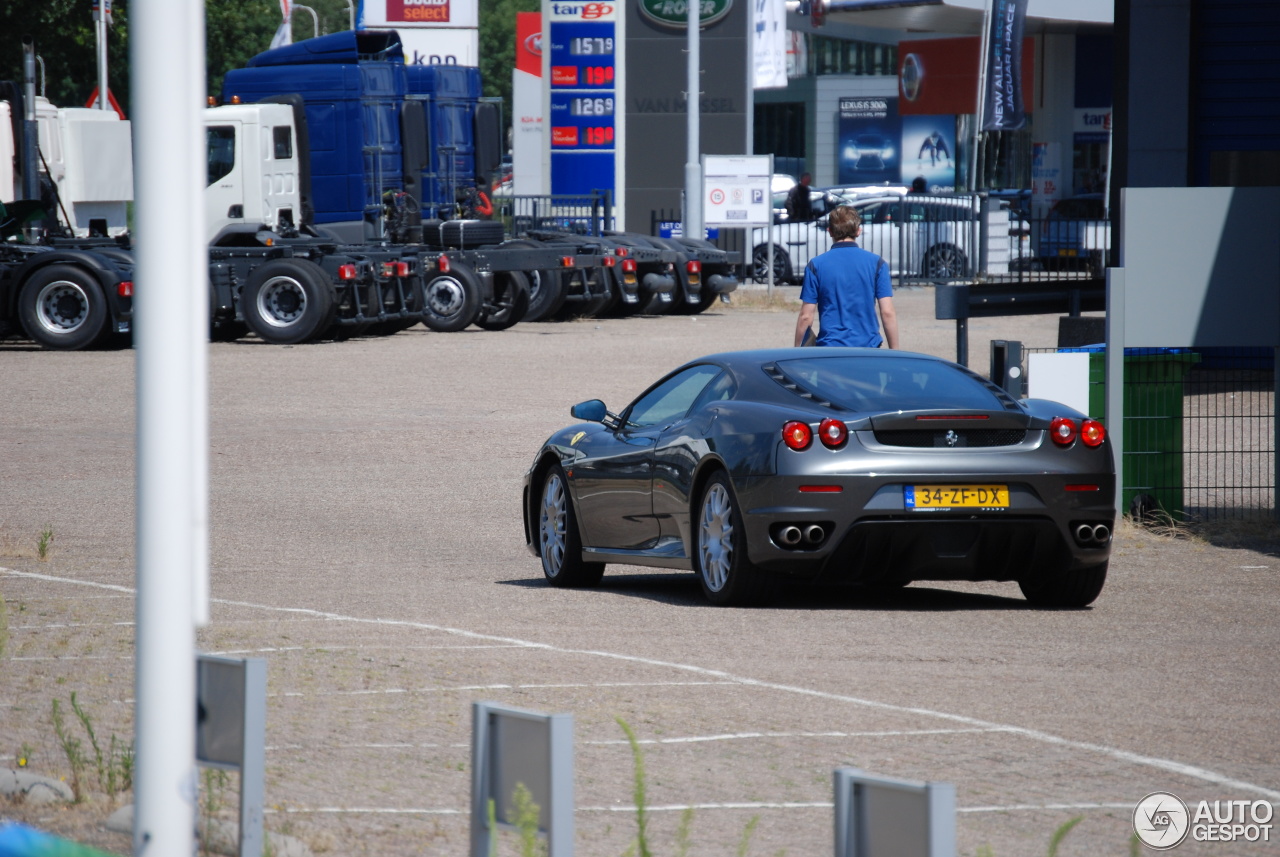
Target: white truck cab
89, 156
253, 168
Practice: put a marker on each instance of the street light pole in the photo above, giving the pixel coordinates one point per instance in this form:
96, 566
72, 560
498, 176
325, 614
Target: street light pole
692, 170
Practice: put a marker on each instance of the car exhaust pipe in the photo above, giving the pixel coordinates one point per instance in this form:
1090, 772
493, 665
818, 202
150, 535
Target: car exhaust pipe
1084, 534
814, 534
790, 535
1101, 533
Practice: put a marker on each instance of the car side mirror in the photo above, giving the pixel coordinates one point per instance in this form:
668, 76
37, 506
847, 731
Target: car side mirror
592, 410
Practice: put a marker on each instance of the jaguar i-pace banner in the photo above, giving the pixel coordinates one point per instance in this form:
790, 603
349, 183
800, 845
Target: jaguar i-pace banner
1002, 107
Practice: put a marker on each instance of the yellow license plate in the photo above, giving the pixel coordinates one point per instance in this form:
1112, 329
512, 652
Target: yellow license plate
1071, 252
926, 497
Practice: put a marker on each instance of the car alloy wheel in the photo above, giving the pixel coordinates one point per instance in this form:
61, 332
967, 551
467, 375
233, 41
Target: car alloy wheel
553, 525
715, 542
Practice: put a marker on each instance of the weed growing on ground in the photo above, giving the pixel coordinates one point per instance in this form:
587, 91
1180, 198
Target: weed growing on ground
746, 835
641, 844
1056, 840
72, 749
114, 768
527, 822
212, 801
43, 543
759, 300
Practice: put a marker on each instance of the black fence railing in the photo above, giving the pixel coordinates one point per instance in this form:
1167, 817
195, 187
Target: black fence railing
589, 214
1199, 431
932, 238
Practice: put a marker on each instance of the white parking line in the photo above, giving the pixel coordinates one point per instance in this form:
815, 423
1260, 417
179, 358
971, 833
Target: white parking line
1168, 765
475, 687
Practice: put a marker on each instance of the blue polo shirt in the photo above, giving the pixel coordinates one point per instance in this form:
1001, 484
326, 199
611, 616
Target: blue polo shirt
843, 284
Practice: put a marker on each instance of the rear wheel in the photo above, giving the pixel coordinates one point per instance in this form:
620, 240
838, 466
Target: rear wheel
760, 264
720, 548
546, 294
945, 262
559, 543
1066, 589
63, 307
287, 301
511, 301
452, 300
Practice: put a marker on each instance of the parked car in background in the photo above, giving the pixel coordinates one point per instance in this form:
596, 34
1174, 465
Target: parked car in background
1076, 234
918, 236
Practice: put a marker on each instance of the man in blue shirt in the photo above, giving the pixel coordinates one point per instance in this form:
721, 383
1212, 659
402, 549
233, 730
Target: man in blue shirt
844, 287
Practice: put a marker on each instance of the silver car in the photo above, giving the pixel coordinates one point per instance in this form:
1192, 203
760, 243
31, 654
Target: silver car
918, 236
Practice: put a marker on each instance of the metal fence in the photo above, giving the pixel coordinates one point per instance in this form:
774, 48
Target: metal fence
1199, 432
588, 214
935, 238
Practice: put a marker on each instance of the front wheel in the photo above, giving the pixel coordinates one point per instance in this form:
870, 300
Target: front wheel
63, 307
1066, 589
559, 543
720, 548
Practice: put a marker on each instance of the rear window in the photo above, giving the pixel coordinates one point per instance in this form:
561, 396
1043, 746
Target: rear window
889, 383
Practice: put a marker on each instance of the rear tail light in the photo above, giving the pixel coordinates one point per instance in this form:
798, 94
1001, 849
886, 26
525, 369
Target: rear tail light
629, 266
622, 251
442, 264
833, 433
693, 266
395, 269
125, 289
566, 261
608, 261
1092, 433
346, 272
797, 435
1063, 431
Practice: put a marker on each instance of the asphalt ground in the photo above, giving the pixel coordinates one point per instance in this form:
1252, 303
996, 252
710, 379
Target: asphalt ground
366, 541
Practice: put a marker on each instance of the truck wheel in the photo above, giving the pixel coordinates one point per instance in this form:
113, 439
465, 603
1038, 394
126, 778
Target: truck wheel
546, 294
452, 300
287, 301
510, 303
63, 307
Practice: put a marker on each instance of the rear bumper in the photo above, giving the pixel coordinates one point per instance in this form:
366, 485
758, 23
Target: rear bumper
870, 536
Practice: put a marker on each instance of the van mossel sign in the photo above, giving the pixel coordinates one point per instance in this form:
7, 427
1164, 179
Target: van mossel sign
675, 13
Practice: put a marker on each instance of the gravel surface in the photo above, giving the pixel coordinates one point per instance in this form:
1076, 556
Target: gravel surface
366, 540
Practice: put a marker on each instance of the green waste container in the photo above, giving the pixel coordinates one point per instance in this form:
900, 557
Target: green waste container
1152, 467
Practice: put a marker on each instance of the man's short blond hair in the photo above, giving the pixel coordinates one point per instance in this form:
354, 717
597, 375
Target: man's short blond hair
844, 222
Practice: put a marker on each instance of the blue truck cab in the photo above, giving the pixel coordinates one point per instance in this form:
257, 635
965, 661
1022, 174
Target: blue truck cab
383, 144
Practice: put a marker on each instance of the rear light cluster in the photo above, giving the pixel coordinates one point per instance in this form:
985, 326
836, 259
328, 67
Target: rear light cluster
1064, 431
395, 269
693, 266
125, 288
347, 272
831, 432
609, 261
629, 266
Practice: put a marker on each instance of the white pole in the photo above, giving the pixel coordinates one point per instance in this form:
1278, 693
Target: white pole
692, 170
167, 54
351, 10
100, 24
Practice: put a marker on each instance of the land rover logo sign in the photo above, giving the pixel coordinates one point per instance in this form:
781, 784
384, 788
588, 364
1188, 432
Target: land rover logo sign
675, 13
